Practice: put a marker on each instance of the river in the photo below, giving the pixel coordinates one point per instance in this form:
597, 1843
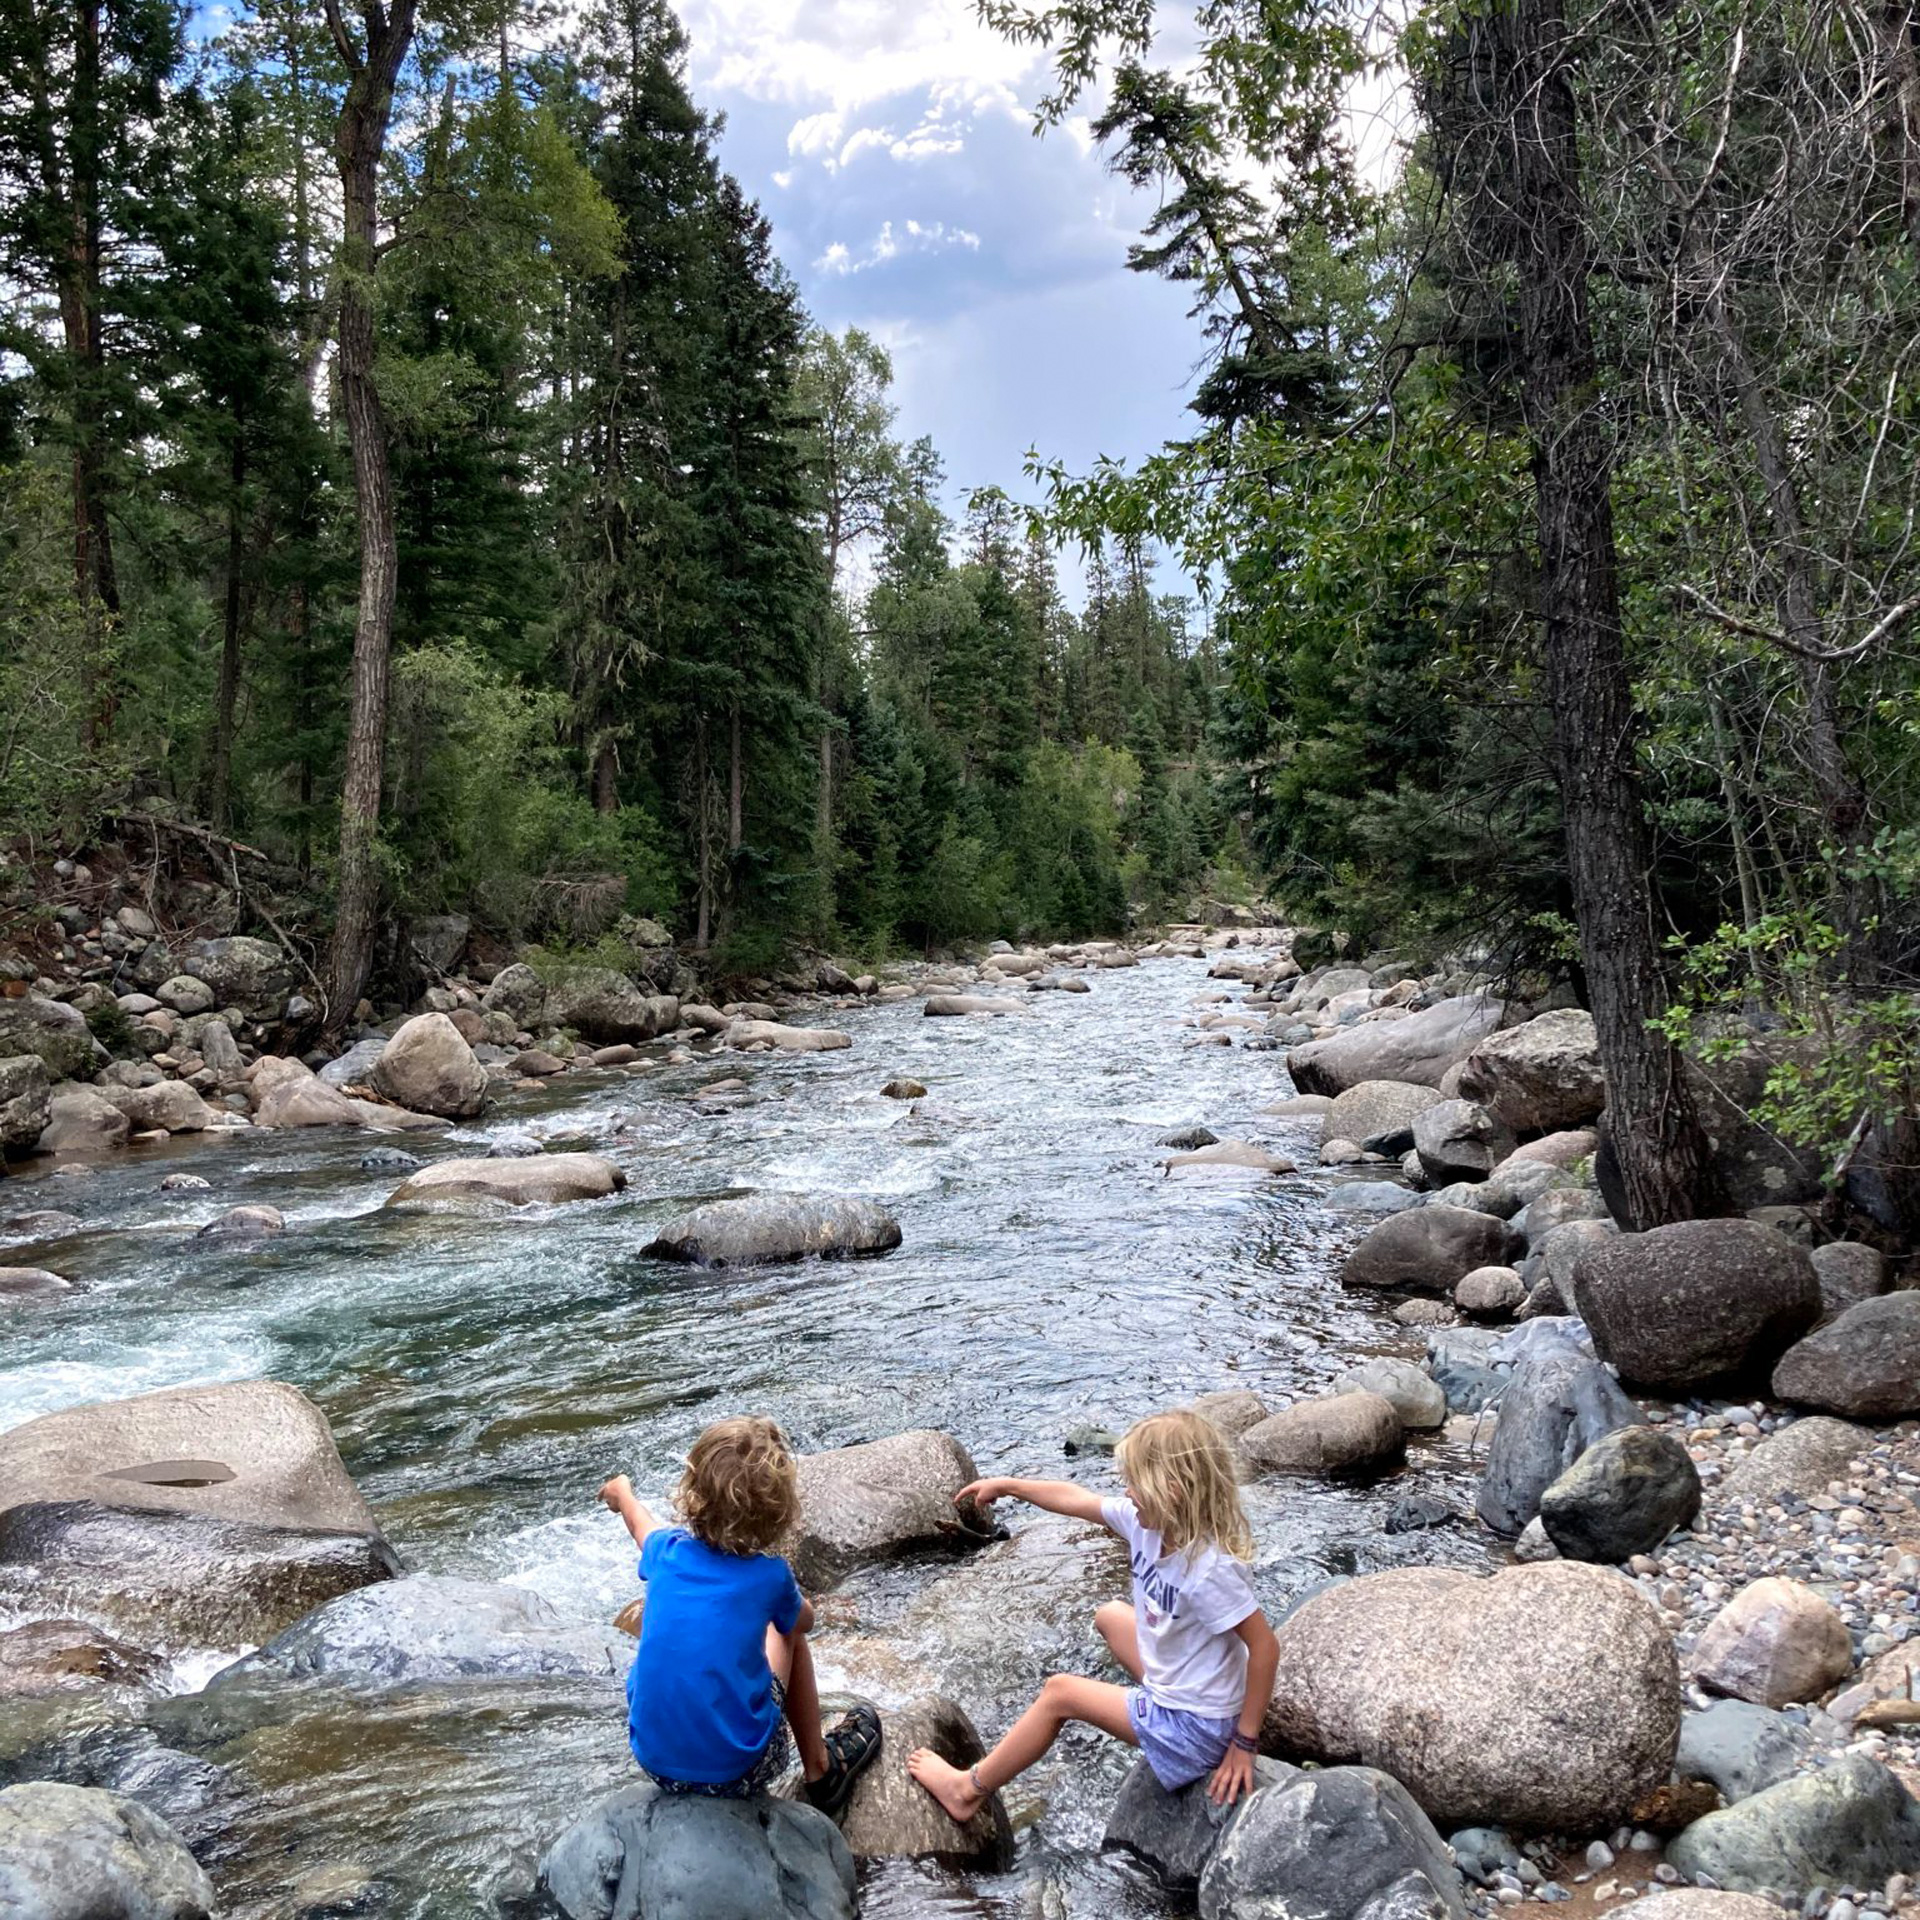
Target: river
484, 1376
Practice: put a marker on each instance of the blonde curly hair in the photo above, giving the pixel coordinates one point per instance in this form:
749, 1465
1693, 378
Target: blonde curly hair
1181, 1476
741, 1487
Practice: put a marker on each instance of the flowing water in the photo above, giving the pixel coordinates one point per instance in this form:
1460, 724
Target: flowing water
483, 1376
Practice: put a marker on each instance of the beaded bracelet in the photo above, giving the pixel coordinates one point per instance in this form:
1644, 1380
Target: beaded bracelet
1245, 1742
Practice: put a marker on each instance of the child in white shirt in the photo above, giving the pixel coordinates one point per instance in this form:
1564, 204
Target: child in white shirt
1194, 1637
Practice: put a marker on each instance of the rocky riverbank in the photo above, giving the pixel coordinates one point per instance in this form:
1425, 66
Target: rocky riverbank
1707, 1618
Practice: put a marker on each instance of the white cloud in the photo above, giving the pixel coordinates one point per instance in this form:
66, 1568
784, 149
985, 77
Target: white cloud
891, 242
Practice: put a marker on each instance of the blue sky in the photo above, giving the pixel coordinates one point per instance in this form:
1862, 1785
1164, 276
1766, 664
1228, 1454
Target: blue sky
890, 143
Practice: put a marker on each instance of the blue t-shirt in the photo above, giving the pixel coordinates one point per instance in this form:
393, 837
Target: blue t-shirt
700, 1703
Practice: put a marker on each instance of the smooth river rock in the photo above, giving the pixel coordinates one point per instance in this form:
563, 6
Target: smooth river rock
1242, 1155
1419, 1048
891, 1817
1800, 1458
1686, 1305
1338, 1434
543, 1180
428, 1068
1545, 1697
76, 1853
1560, 1403
1776, 1643
868, 1502
1622, 1496
1175, 1834
1429, 1250
743, 1034
1743, 1749
777, 1227
1865, 1363
1378, 1114
1408, 1389
955, 1005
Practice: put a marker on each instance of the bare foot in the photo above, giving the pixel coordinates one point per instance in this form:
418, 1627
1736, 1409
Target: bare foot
952, 1788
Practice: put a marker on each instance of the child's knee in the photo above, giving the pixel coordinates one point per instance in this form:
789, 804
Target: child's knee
1056, 1694
1110, 1617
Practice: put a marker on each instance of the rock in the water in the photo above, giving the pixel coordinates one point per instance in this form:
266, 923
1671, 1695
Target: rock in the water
775, 1227
1240, 1155
903, 1089
891, 1817
1864, 1364
544, 1180
1800, 1458
1370, 1196
1175, 1834
44, 1223
605, 1007
1852, 1823
1743, 1749
189, 1578
1491, 1293
1338, 1434
75, 1853
883, 1497
641, 1854
432, 1628
1544, 1697
1378, 1114
1428, 1250
68, 1656
1232, 1412
244, 1223
298, 1098
742, 1034
1349, 1843
537, 1064
953, 1005
1408, 1389
1623, 1496
1540, 1077
428, 1068
81, 1120
1561, 1403
1776, 1642
1185, 1139
1419, 1048
1688, 1304
54, 1033
24, 1110
1457, 1140
22, 1283
388, 1160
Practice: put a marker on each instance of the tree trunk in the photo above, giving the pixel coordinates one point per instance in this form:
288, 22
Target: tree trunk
359, 140
703, 925
226, 697
1665, 1169
606, 772
736, 785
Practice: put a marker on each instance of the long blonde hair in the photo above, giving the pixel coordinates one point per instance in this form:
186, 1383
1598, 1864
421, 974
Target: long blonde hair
1181, 1476
740, 1490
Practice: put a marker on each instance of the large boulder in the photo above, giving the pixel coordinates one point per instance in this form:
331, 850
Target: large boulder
1419, 1048
519, 993
775, 1227
1560, 1403
1704, 1300
1849, 1824
1378, 1114
1776, 1643
1540, 1077
955, 1005
186, 1578
1849, 1273
892, 1817
55, 1034
1242, 1156
872, 1501
1176, 1834
1343, 1433
1429, 1250
354, 1068
742, 1035
1408, 1389
539, 1180
75, 1853
1864, 1364
169, 1106
82, 1120
1741, 1748
428, 1068
254, 975
1544, 1697
1457, 1140
641, 1854
432, 1628
1623, 1496
1801, 1458
303, 1100
1349, 1843
606, 1007
254, 1451
24, 1110
24, 1283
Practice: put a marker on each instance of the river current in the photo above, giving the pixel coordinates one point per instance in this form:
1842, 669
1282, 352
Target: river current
483, 1376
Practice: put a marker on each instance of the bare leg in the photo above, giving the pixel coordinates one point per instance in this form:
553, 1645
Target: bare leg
792, 1662
1064, 1697
1119, 1628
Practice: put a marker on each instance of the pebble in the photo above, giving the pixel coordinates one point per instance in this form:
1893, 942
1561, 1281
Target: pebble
1599, 1856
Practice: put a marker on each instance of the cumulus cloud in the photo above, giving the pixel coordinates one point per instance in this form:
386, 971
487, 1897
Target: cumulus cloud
891, 242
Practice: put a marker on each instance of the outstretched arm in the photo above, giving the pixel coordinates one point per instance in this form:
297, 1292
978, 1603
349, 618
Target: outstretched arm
1057, 1496
641, 1520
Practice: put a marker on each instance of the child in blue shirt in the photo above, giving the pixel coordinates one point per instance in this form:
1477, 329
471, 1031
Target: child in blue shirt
723, 1668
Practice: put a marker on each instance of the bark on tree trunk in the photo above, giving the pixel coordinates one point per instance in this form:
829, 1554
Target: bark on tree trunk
703, 925
736, 785
226, 696
359, 140
1665, 1168
606, 771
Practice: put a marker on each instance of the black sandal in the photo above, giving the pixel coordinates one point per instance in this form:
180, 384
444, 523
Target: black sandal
853, 1745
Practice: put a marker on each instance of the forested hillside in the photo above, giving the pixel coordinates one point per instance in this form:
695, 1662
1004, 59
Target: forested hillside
444, 492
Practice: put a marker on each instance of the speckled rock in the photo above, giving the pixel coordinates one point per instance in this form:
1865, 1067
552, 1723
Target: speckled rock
76, 1853
1339, 1434
1775, 1642
771, 1227
1864, 1364
1622, 1496
864, 1503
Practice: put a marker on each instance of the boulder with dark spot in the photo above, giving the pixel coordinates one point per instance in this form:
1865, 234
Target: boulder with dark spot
1560, 1403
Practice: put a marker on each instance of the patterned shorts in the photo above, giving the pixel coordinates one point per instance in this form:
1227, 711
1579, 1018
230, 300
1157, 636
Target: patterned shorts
760, 1778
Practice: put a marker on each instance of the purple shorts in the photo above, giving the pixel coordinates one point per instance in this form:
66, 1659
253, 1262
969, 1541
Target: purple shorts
1179, 1747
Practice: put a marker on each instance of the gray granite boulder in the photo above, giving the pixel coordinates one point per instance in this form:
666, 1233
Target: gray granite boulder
1175, 1834
1419, 1048
1378, 1114
428, 1068
81, 1120
1864, 1364
1704, 1300
1849, 1273
1332, 1437
1457, 1140
772, 1227
644, 1855
54, 1033
1622, 1496
1428, 1250
538, 1180
607, 1007
76, 1853
870, 1502
891, 1817
1539, 1077
24, 1111
1741, 1748
1560, 1403
1851, 1823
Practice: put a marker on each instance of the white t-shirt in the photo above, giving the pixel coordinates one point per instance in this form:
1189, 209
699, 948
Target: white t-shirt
1186, 1606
